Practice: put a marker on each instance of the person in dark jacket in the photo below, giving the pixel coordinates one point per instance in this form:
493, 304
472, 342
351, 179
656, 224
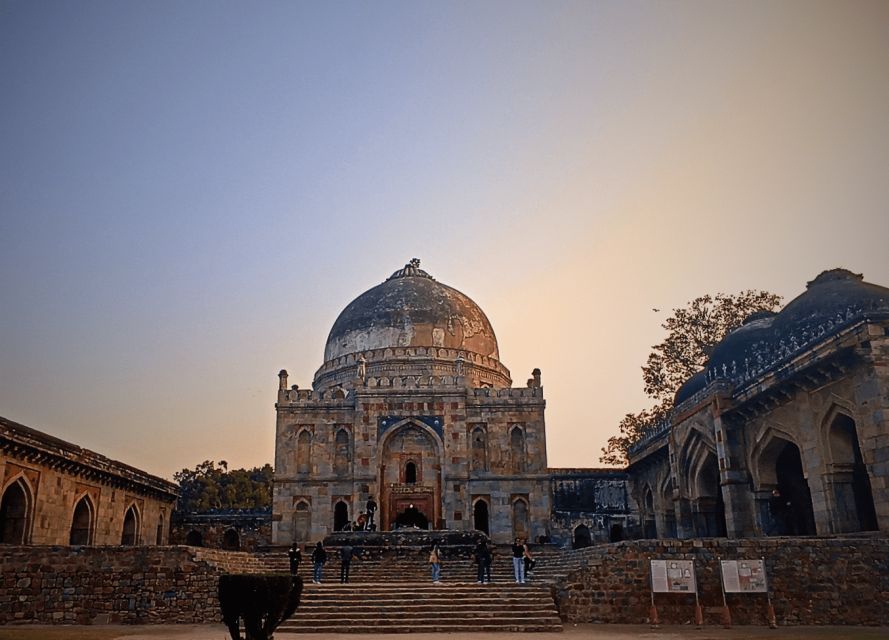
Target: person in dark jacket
483, 559
295, 556
346, 555
370, 508
319, 557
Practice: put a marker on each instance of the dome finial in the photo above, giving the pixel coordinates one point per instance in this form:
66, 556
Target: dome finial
411, 269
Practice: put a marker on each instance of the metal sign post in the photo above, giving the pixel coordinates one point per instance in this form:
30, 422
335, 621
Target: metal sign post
726, 612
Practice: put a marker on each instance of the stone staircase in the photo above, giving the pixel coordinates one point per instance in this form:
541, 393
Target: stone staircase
413, 567
396, 607
391, 591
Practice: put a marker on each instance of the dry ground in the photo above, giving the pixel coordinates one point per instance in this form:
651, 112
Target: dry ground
572, 632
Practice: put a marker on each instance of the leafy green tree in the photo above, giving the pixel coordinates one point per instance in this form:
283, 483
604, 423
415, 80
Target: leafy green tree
692, 333
211, 485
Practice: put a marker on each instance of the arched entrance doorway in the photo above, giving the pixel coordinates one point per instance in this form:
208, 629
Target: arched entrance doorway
781, 477
411, 517
793, 486
582, 537
231, 540
480, 516
14, 512
853, 498
194, 539
410, 477
708, 506
340, 515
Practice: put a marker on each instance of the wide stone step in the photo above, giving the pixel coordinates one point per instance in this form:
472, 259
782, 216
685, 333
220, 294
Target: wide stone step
439, 627
403, 609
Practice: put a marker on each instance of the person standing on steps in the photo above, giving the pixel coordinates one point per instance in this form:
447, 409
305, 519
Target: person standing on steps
518, 561
346, 555
319, 557
371, 509
435, 562
482, 557
528, 560
295, 556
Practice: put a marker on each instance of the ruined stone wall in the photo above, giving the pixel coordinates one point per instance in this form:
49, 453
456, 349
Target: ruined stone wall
597, 499
235, 531
105, 585
826, 581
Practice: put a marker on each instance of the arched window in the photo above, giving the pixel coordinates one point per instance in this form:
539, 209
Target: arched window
159, 540
302, 522
517, 449
479, 449
343, 452
304, 452
15, 513
520, 523
340, 515
231, 541
410, 473
194, 539
82, 522
480, 516
130, 535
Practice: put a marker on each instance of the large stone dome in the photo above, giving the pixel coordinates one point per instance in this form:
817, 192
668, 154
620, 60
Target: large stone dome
412, 317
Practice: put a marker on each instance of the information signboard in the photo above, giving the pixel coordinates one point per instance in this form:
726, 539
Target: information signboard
673, 576
744, 576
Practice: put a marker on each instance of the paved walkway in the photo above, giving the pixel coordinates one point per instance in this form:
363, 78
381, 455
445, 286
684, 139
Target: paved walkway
572, 632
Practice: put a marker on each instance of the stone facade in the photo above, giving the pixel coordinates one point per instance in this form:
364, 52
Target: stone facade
834, 581
54, 492
787, 430
591, 506
232, 530
413, 408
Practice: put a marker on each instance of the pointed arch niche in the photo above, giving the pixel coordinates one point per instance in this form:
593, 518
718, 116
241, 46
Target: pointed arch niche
16, 512
83, 522
853, 499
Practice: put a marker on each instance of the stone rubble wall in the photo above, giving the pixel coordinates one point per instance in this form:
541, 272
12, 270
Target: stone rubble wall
813, 581
113, 585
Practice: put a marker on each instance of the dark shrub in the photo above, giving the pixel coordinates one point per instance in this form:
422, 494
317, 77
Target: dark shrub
261, 601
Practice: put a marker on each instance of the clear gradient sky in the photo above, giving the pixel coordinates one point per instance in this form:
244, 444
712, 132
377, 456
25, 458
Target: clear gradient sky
190, 192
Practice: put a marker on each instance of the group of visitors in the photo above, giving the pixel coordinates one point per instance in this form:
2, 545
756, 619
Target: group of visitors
319, 559
522, 561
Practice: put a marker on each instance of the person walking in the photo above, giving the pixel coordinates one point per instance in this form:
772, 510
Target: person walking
435, 562
295, 556
319, 557
346, 555
518, 561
